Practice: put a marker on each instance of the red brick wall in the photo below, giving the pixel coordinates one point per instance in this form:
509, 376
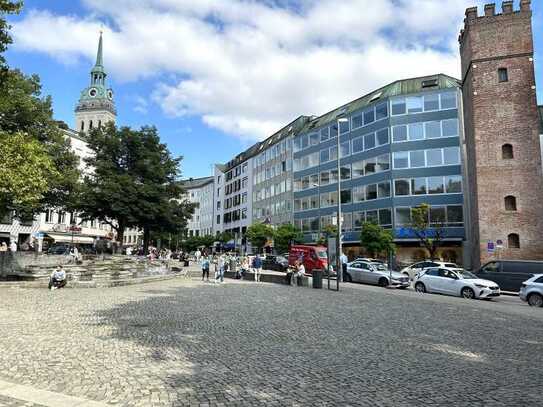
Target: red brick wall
495, 114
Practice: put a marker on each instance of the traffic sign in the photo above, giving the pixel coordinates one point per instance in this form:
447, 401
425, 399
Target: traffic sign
490, 248
499, 244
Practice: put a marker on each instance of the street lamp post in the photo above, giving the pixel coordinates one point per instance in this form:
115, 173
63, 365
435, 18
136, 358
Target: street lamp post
339, 273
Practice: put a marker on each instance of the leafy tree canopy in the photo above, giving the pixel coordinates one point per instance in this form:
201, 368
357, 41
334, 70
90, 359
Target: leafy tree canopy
6, 7
376, 240
430, 234
259, 233
285, 235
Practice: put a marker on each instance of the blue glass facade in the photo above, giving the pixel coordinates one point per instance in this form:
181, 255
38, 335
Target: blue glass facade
396, 153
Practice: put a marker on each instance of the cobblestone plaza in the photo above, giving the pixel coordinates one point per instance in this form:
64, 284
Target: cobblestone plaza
179, 342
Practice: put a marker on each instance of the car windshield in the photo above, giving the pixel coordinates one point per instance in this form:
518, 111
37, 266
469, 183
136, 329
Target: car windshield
379, 266
322, 255
466, 275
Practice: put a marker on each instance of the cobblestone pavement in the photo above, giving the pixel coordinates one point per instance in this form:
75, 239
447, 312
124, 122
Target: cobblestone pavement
12, 402
178, 342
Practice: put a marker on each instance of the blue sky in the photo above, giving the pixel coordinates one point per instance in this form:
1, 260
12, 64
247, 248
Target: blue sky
215, 76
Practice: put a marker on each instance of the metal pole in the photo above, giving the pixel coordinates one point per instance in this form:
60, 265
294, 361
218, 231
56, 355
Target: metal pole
338, 238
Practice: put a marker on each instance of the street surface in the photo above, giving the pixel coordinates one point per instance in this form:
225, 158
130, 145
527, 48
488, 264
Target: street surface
179, 342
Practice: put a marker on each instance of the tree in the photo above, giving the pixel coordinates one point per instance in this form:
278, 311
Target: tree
224, 237
258, 234
132, 182
285, 235
376, 240
23, 110
430, 234
6, 7
26, 168
327, 232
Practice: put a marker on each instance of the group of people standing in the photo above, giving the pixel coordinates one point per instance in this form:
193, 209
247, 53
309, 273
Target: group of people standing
222, 263
11, 248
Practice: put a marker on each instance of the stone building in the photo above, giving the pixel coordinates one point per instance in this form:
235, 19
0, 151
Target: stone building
502, 131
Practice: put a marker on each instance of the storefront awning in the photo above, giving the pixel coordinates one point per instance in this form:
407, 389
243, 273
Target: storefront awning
66, 238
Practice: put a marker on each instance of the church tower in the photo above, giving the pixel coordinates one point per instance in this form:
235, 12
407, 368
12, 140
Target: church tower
96, 106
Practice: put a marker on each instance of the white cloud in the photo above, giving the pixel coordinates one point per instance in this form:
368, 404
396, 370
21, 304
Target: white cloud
249, 67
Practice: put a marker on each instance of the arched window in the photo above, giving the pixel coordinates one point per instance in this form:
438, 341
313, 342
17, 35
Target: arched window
82, 125
90, 125
507, 152
510, 203
513, 241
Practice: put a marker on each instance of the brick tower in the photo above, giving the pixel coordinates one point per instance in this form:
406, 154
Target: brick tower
504, 178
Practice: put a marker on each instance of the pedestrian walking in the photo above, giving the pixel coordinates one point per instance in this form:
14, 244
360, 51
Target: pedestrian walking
205, 268
220, 268
344, 260
257, 266
300, 273
13, 246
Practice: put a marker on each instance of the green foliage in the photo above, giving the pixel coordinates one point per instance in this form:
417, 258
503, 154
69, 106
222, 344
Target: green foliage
7, 7
23, 110
285, 235
224, 237
259, 233
26, 169
194, 242
376, 240
133, 183
430, 235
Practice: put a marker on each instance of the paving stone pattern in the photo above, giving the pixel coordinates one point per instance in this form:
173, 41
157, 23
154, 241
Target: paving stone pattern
11, 402
184, 343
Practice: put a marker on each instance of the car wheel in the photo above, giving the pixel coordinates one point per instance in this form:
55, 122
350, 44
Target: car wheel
383, 282
420, 288
535, 300
468, 293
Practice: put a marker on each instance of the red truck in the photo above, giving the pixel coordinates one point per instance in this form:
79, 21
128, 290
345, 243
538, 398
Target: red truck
313, 257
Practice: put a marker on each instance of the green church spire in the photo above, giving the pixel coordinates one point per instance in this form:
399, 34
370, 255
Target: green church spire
99, 66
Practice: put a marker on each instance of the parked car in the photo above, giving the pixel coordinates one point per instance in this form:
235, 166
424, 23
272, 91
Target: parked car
313, 257
370, 260
278, 263
414, 269
510, 274
453, 281
531, 291
374, 273
59, 248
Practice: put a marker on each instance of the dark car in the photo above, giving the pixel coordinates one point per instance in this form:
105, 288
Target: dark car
59, 248
278, 263
510, 274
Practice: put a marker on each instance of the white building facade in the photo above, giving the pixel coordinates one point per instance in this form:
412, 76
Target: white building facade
201, 192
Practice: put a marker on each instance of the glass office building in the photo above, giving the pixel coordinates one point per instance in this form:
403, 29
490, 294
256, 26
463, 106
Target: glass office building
399, 148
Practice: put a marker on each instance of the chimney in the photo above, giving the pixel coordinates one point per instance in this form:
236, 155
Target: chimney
471, 14
490, 9
507, 7
525, 5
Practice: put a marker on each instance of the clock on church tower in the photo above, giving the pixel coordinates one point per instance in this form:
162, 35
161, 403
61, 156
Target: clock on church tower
96, 105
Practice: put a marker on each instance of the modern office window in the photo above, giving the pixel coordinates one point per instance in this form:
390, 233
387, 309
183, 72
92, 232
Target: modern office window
325, 155
357, 121
448, 100
453, 184
398, 106
325, 135
403, 216
357, 169
345, 149
369, 116
502, 75
385, 217
346, 172
333, 153
325, 178
510, 203
400, 159
450, 128
346, 197
435, 185
438, 215
314, 202
333, 130
372, 216
418, 186
416, 131
383, 163
381, 111
359, 194
399, 133
455, 215
431, 102
347, 221
314, 139
382, 137
358, 220
513, 241
369, 166
371, 192
344, 127
451, 155
414, 104
434, 157
416, 159
383, 189
358, 144
507, 152
401, 187
369, 141
432, 129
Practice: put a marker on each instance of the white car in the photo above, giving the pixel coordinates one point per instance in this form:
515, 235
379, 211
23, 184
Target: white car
531, 291
374, 273
414, 269
456, 282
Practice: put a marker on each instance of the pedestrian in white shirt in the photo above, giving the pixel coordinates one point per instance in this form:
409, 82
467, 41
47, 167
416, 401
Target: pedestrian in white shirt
13, 246
300, 273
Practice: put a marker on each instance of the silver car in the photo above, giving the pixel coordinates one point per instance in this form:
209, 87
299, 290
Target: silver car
374, 273
532, 291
